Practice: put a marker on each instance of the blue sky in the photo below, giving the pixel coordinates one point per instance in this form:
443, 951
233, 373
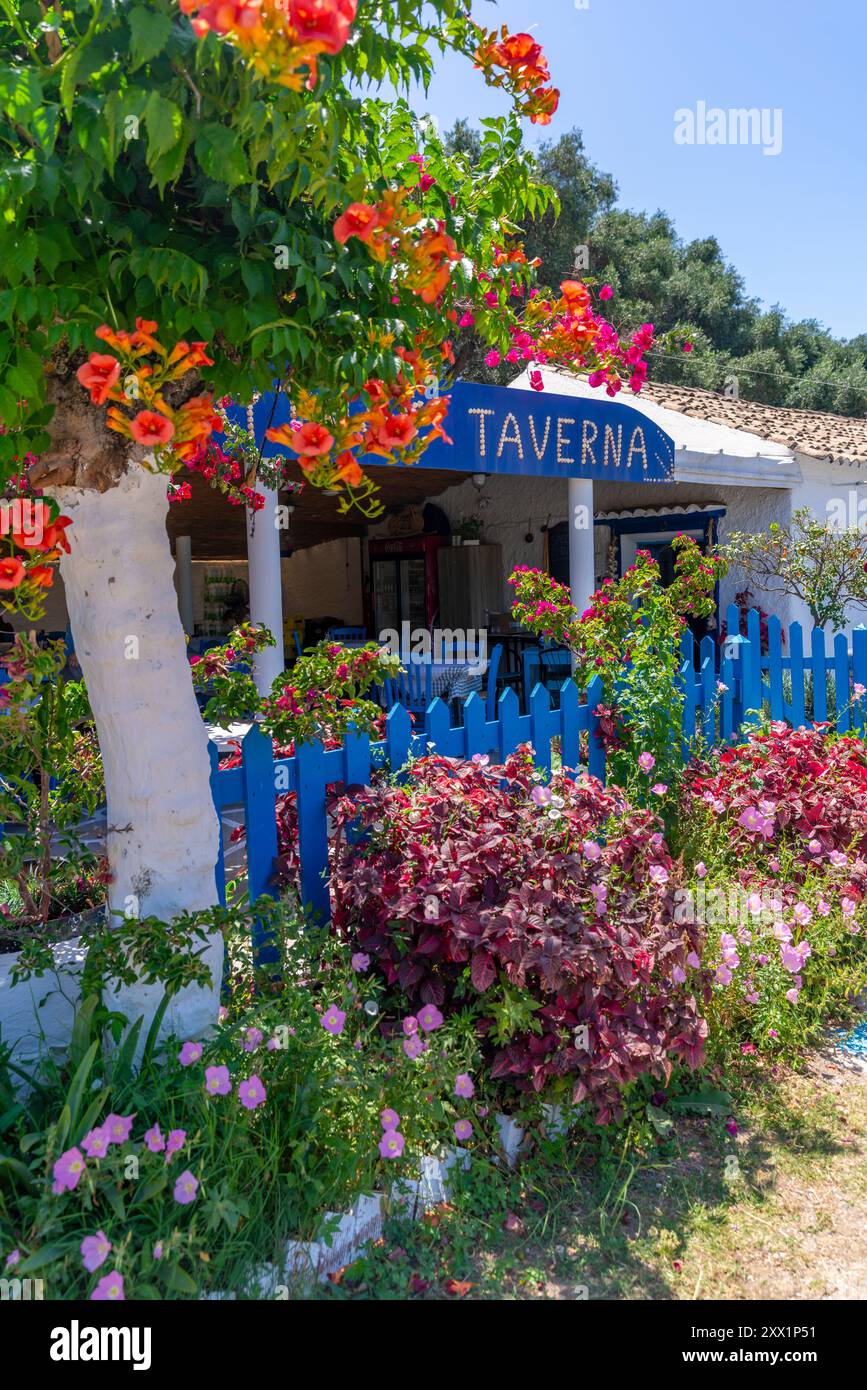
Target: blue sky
794, 224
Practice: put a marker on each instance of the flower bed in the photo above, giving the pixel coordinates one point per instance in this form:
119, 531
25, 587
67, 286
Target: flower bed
550, 909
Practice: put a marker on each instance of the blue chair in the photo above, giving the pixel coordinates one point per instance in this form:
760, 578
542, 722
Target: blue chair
411, 688
556, 667
298, 648
532, 667
347, 636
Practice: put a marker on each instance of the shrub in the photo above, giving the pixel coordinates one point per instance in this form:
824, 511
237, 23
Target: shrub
548, 907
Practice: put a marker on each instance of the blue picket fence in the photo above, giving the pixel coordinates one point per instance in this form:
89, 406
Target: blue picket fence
724, 689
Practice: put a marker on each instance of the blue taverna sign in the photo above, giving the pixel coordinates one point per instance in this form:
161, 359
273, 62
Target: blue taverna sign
501, 430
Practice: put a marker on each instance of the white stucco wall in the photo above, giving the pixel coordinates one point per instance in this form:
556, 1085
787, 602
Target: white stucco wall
829, 489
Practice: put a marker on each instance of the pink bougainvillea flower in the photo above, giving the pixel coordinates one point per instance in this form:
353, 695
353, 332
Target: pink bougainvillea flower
189, 1053
493, 357
605, 292
413, 1047
537, 381
174, 1142
67, 1171
360, 961
118, 1128
429, 1018
217, 1081
646, 762
94, 1251
389, 1119
186, 1187
391, 1145
96, 1142
109, 1289
154, 1139
464, 1085
253, 1038
410, 1025
251, 1093
463, 1130
333, 1019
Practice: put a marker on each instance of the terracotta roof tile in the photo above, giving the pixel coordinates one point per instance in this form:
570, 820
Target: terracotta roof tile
835, 438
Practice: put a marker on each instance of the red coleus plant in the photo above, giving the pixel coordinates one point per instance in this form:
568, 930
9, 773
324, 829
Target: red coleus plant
793, 788
481, 881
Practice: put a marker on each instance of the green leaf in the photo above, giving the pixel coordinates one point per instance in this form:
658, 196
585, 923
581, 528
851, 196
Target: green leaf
221, 154
149, 31
71, 64
706, 1102
20, 92
46, 1256
164, 125
178, 1280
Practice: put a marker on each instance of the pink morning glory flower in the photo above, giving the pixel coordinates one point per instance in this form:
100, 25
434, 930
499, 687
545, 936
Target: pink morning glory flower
174, 1142
463, 1130
109, 1289
94, 1251
389, 1119
658, 873
591, 851
251, 1093
541, 796
186, 1187
413, 1047
391, 1145
429, 1018
217, 1082
360, 961
67, 1171
659, 788
118, 1128
154, 1139
333, 1019
410, 1025
189, 1053
646, 762
464, 1086
96, 1142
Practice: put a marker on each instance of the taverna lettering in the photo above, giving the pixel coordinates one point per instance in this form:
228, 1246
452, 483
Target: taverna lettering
608, 447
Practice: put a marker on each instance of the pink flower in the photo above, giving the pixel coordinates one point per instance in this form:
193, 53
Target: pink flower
537, 381
678, 974
659, 874
693, 961
410, 1025
659, 789
731, 1127
186, 1187
413, 1047
391, 1145
802, 913
541, 796
389, 1119
251, 1093
606, 292
847, 907
360, 961
174, 1142
464, 1086
792, 995
333, 1019
217, 1082
646, 762
700, 869
463, 1130
67, 1171
109, 1289
96, 1142
591, 851
252, 1039
154, 1139
94, 1251
493, 357
12, 1259
429, 1018
118, 1127
158, 1250
189, 1053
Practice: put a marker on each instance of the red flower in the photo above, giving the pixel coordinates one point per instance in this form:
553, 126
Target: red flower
149, 427
12, 572
323, 24
358, 220
98, 375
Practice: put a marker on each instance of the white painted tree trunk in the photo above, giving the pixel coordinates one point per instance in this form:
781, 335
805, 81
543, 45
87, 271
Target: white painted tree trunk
162, 827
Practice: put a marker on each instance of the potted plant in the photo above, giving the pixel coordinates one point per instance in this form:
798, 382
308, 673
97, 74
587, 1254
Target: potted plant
468, 531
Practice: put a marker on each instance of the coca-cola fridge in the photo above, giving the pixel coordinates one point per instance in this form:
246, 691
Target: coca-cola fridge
404, 583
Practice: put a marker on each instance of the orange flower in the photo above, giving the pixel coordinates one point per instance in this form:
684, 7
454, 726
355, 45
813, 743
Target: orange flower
576, 295
29, 536
98, 374
322, 25
358, 220
395, 432
54, 536
149, 427
12, 572
42, 576
349, 470
120, 340
312, 440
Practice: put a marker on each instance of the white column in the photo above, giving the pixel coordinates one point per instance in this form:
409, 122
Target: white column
582, 564
266, 596
184, 563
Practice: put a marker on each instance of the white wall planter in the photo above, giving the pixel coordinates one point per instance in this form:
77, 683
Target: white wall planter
36, 1015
